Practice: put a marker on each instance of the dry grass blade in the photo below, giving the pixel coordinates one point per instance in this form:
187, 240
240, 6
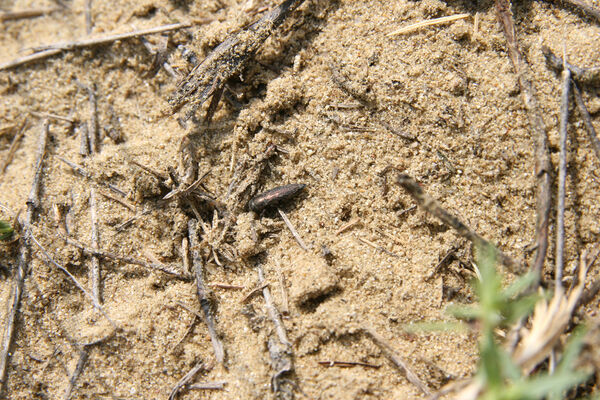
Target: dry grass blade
431, 22
21, 14
187, 378
549, 322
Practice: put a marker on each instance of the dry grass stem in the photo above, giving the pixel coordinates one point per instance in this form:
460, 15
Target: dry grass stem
431, 22
549, 321
272, 310
293, 230
562, 179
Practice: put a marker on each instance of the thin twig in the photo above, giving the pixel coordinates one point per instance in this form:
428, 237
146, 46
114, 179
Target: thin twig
272, 310
346, 364
543, 166
587, 120
585, 76
94, 275
127, 260
188, 377
56, 48
198, 264
68, 45
83, 356
24, 256
562, 178
433, 207
89, 176
293, 230
13, 146
75, 281
21, 14
397, 360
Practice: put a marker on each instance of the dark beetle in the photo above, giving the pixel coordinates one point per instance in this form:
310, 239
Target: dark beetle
274, 197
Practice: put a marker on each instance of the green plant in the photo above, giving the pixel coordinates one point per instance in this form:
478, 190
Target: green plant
499, 376
6, 231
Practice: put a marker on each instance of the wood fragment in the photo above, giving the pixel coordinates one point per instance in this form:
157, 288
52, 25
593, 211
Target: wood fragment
293, 230
121, 201
226, 60
434, 208
397, 360
13, 146
562, 179
84, 140
431, 22
24, 256
587, 120
187, 378
126, 259
285, 303
198, 265
543, 165
45, 51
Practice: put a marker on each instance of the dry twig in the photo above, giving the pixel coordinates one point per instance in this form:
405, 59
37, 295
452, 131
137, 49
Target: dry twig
21, 14
13, 146
187, 378
198, 264
543, 166
226, 60
49, 50
397, 360
33, 202
433, 207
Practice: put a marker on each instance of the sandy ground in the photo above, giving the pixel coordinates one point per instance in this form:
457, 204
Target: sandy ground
450, 86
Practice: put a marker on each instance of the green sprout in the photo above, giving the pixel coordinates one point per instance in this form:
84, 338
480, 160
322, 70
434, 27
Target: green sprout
500, 377
6, 231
